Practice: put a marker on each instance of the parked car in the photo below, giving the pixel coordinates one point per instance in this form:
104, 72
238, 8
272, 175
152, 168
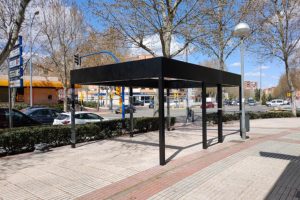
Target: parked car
18, 119
286, 102
138, 103
251, 102
209, 105
276, 102
174, 103
151, 104
43, 115
227, 102
80, 118
127, 109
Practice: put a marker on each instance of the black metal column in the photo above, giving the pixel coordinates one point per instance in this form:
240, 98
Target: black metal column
162, 160
73, 132
168, 110
204, 117
131, 111
220, 114
240, 107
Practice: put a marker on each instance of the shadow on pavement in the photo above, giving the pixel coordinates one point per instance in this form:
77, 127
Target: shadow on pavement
287, 185
177, 148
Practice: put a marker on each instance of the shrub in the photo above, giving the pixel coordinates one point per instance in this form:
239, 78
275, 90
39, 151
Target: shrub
213, 117
90, 104
23, 139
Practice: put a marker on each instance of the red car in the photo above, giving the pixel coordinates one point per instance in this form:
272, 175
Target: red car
209, 105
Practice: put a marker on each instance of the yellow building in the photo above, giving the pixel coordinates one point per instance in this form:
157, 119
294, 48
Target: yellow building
45, 90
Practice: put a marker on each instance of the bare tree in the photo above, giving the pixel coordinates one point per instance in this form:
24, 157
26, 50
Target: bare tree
12, 14
62, 28
139, 20
220, 18
279, 35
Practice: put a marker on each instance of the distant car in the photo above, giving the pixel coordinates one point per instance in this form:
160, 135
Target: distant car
18, 119
43, 115
251, 102
80, 118
276, 102
151, 105
138, 103
286, 102
227, 102
127, 109
174, 103
209, 105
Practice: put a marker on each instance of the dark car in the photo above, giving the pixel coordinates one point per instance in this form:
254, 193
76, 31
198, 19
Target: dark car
151, 105
18, 119
127, 109
138, 103
209, 105
43, 115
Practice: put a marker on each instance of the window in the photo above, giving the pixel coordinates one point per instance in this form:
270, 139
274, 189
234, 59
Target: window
42, 112
94, 116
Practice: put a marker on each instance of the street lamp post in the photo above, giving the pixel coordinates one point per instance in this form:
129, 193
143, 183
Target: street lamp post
242, 30
30, 63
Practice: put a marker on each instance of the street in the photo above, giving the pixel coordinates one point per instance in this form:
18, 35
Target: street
144, 111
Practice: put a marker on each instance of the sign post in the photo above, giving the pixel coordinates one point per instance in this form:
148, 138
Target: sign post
15, 72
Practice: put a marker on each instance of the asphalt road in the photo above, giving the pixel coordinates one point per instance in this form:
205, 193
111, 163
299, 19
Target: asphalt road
144, 111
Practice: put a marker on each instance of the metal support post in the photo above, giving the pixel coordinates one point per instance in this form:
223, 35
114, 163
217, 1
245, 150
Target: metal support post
98, 96
162, 160
131, 111
73, 132
123, 106
240, 107
9, 98
168, 110
220, 114
242, 91
204, 125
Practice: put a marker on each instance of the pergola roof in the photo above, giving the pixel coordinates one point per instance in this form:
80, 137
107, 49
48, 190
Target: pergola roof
158, 73
144, 73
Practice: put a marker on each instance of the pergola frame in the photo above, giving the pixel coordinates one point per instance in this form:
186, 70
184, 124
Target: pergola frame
162, 73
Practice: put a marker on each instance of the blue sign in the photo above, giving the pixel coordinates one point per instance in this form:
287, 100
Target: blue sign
16, 65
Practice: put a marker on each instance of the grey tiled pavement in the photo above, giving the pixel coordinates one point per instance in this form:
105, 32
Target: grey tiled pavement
267, 170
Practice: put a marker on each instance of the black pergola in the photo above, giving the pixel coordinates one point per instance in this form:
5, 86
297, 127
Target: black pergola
161, 73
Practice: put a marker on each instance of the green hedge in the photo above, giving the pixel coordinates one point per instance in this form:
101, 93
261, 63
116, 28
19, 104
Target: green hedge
213, 117
90, 104
23, 139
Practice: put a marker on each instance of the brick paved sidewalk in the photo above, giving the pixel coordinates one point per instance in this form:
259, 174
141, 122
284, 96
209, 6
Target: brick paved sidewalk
249, 170
265, 166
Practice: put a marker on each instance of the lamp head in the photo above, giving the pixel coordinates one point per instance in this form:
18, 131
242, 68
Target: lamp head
242, 30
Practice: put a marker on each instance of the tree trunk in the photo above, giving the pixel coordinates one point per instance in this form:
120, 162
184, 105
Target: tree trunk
65, 98
14, 33
292, 88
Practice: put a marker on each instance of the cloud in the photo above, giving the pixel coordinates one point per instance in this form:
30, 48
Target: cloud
254, 74
153, 43
236, 64
262, 67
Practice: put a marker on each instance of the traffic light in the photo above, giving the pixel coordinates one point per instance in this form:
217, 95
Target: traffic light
77, 59
118, 91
